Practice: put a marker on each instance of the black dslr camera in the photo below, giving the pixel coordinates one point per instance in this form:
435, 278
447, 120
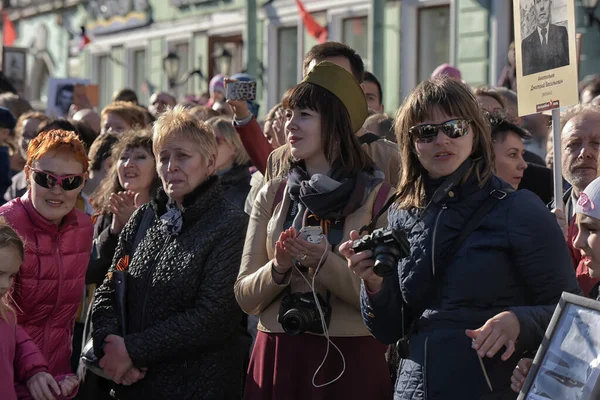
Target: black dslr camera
388, 247
298, 313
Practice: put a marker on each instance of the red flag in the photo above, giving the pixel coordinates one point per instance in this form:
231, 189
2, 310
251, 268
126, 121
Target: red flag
312, 26
9, 34
85, 40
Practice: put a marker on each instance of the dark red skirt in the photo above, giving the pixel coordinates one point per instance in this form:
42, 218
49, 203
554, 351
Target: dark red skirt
282, 368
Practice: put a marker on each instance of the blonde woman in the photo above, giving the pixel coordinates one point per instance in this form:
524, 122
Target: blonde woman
232, 161
181, 315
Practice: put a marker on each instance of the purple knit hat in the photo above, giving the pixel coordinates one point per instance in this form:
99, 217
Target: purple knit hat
217, 84
447, 70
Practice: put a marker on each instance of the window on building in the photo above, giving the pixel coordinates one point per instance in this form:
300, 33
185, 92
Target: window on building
104, 80
356, 35
434, 39
183, 51
139, 73
287, 50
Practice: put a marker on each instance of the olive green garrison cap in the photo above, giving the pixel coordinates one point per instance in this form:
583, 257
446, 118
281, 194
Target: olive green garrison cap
345, 87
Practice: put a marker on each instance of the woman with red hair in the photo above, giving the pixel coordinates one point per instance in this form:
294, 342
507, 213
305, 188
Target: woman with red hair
58, 243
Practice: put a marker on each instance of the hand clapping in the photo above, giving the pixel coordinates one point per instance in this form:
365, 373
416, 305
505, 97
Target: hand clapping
306, 253
122, 205
283, 259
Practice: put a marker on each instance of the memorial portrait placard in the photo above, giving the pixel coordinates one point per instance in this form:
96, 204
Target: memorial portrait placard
567, 364
546, 55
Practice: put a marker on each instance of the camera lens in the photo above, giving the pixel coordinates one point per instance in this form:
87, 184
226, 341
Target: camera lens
383, 265
295, 322
386, 259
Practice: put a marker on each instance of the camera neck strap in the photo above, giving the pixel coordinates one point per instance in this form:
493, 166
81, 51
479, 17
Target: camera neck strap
437, 197
288, 290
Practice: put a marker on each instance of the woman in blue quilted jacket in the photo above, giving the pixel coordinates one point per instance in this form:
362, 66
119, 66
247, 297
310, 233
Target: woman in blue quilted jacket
470, 304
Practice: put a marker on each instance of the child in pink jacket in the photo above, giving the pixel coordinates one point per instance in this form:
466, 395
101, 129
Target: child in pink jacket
23, 368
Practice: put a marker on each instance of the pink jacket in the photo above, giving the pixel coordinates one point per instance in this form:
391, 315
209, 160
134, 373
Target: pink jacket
50, 284
20, 359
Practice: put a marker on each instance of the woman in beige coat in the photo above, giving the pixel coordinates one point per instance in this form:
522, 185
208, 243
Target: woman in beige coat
332, 187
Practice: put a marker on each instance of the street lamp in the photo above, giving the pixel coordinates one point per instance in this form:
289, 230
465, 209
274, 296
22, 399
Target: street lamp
224, 59
590, 12
171, 65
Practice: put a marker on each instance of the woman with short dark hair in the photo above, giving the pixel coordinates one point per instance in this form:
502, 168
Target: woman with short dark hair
507, 139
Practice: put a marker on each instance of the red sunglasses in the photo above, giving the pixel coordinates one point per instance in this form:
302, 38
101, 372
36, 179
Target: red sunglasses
48, 180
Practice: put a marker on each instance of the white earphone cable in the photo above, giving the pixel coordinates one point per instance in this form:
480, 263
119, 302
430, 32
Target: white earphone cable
323, 323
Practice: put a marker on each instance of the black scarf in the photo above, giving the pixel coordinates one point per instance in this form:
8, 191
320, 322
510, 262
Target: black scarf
330, 197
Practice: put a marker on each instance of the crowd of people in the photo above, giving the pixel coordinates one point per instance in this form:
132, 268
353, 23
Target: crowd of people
187, 251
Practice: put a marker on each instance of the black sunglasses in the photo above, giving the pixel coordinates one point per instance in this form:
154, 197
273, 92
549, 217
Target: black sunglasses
48, 180
426, 133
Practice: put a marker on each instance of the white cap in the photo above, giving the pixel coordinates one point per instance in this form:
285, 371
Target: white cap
589, 200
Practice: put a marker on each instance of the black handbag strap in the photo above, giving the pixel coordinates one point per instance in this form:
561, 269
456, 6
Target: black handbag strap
494, 197
142, 229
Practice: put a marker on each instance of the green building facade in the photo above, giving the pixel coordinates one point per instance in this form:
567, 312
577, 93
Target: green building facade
403, 41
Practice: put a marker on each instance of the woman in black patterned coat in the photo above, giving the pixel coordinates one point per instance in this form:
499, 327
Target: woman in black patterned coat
181, 314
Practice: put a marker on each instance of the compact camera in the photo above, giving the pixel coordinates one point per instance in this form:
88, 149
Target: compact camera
298, 313
388, 247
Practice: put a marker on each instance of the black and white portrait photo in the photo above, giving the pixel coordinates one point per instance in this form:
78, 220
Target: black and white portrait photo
64, 98
61, 95
14, 66
545, 40
570, 367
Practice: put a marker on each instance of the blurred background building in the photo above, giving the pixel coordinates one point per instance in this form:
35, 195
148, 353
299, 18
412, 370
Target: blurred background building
178, 45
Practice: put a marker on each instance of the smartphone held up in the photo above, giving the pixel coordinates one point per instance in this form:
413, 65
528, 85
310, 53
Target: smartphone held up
241, 90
